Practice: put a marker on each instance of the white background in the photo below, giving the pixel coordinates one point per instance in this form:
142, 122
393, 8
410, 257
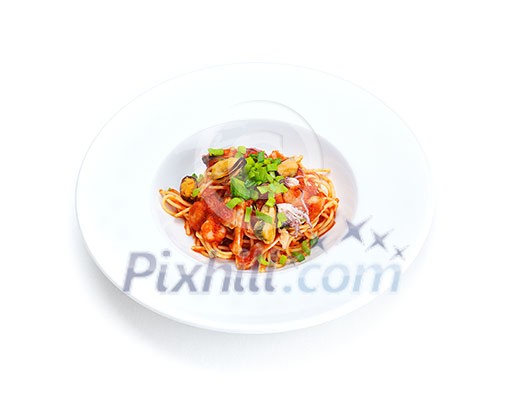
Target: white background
453, 70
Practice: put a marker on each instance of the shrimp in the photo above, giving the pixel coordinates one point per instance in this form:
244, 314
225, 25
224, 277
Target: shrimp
293, 196
197, 215
212, 231
238, 232
315, 206
296, 195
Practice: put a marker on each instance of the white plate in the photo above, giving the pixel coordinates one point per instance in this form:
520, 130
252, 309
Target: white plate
379, 171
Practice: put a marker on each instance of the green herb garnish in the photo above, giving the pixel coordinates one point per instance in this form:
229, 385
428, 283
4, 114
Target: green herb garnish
234, 202
248, 214
277, 187
264, 217
216, 152
263, 189
239, 189
258, 177
305, 246
249, 161
281, 219
262, 260
299, 256
272, 166
314, 241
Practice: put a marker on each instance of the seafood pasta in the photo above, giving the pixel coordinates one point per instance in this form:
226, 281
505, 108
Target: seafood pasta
256, 209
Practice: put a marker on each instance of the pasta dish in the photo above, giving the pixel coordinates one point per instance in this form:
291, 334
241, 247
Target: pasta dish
253, 208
